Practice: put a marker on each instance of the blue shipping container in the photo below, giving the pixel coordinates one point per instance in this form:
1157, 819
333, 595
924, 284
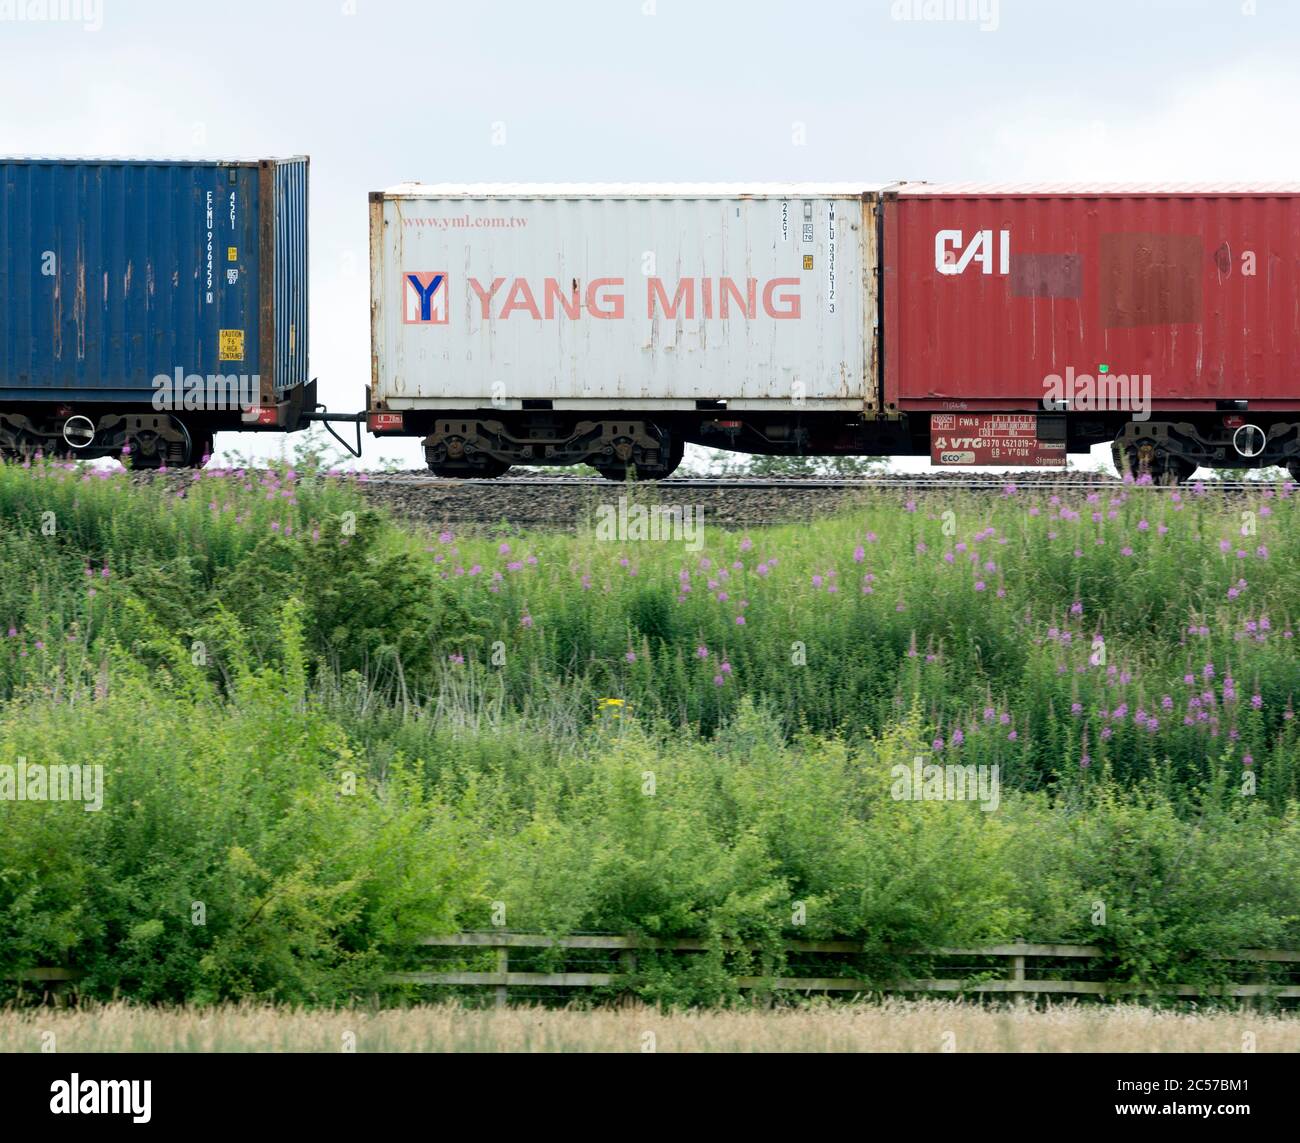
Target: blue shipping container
114, 272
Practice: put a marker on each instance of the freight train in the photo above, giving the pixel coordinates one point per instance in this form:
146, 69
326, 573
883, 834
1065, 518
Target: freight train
148, 305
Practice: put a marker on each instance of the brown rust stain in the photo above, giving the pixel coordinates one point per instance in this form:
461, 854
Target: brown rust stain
1151, 279
56, 316
1223, 261
1047, 276
79, 306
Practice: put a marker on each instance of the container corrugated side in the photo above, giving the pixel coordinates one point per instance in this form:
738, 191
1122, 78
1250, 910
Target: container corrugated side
991, 294
291, 274
115, 271
642, 299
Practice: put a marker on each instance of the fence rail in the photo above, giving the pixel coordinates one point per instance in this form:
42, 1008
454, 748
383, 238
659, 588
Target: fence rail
1021, 963
1018, 967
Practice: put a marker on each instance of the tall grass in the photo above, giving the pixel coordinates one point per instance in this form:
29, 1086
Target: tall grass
1129, 630
890, 1026
325, 734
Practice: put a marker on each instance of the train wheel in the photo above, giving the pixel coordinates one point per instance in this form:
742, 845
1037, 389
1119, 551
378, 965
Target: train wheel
485, 468
144, 452
201, 449
174, 447
1145, 458
619, 470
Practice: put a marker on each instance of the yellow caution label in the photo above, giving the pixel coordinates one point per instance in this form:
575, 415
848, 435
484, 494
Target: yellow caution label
293, 338
232, 253
232, 345
807, 261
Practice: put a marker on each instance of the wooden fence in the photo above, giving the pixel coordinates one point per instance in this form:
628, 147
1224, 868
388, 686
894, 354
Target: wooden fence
1017, 969
55, 981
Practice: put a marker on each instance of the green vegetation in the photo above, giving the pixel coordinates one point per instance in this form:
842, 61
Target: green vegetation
324, 734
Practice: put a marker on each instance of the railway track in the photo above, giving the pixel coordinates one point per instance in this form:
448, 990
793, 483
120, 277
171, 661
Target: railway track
892, 482
729, 501
566, 502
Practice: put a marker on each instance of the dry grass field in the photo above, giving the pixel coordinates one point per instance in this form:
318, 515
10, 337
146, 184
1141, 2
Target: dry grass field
891, 1026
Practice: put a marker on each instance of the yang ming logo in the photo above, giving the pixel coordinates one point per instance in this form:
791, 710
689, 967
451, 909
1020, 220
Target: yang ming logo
425, 298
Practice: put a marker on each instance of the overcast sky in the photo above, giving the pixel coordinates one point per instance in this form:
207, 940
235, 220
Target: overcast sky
384, 91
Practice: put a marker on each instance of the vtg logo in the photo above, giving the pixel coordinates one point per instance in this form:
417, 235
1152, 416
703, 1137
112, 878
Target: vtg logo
947, 244
425, 298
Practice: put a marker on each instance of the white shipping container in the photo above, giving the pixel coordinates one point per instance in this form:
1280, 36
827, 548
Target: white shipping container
624, 297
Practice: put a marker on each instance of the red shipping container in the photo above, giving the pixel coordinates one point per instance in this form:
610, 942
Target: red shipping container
993, 295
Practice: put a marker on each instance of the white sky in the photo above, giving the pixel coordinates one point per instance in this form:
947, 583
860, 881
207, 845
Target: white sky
383, 91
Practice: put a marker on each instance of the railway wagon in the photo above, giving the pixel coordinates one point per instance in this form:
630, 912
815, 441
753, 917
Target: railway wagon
147, 304
611, 325
1022, 322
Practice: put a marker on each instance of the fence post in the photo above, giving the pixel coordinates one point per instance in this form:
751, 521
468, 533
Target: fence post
503, 967
627, 964
1018, 975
